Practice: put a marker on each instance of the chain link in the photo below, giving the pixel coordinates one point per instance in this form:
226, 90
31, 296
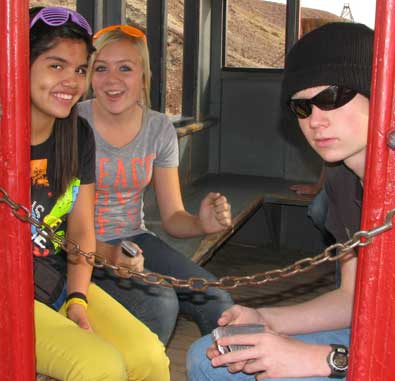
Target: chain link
331, 253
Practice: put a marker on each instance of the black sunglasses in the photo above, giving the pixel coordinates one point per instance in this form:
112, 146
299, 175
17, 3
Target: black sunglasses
329, 99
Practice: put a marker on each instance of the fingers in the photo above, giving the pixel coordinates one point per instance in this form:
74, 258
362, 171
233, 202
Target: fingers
215, 213
128, 263
84, 324
212, 197
254, 367
130, 249
77, 314
306, 189
212, 351
220, 202
227, 316
137, 263
298, 188
235, 315
233, 358
222, 209
130, 259
237, 367
216, 199
261, 376
241, 339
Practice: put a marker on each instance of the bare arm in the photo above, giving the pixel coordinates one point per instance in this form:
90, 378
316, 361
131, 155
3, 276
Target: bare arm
80, 228
273, 353
214, 214
332, 310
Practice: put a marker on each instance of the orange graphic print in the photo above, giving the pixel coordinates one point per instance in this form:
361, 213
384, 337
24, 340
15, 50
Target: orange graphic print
121, 183
38, 172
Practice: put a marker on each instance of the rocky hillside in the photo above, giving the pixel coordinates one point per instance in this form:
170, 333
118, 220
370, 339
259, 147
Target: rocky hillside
255, 35
256, 32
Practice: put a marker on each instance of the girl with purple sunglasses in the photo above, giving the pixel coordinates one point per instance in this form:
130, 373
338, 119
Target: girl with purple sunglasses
81, 332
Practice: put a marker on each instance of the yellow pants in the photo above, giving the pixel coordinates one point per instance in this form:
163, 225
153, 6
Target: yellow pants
121, 347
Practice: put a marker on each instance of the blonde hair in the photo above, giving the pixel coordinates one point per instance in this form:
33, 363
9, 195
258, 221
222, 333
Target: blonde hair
141, 45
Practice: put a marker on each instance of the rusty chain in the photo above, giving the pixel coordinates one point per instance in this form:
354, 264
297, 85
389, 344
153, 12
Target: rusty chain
330, 254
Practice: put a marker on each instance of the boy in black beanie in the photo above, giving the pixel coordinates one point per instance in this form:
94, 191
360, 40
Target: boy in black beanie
327, 87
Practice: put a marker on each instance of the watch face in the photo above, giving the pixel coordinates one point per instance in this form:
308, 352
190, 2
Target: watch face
340, 360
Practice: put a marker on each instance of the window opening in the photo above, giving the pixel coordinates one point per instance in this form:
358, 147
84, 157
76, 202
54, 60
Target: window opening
318, 12
72, 4
174, 60
255, 34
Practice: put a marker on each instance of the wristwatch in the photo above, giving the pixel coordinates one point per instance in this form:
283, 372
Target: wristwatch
338, 361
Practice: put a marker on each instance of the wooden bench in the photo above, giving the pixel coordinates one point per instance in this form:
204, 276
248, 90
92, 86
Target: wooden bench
246, 195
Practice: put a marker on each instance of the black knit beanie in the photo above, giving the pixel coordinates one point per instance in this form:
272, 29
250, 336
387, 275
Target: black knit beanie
337, 53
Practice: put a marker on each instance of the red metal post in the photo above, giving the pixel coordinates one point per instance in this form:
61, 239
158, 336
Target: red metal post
16, 284
373, 333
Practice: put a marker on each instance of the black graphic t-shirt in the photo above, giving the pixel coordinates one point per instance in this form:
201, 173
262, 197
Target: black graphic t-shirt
344, 191
54, 211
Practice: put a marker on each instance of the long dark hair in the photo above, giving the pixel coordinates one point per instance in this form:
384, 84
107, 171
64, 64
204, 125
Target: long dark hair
42, 38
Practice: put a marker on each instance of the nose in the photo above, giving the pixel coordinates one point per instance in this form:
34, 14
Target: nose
72, 80
318, 118
112, 76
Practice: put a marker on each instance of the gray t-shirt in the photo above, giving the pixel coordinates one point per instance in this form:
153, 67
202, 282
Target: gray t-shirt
122, 174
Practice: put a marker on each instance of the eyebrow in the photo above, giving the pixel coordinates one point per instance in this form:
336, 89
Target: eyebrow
119, 61
56, 58
63, 60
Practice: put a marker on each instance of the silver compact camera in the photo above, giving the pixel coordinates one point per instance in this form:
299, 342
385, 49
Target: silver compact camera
231, 330
128, 249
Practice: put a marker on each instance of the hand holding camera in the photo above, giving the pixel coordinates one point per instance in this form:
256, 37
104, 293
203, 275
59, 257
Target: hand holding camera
236, 329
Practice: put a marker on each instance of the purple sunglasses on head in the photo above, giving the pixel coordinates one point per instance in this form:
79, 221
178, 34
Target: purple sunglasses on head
56, 16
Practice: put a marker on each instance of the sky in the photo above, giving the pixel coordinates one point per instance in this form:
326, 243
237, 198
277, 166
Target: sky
363, 11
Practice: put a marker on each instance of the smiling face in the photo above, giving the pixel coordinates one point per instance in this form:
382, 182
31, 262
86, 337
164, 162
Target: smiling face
117, 78
339, 134
57, 80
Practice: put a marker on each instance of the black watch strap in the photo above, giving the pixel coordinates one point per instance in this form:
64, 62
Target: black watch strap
338, 361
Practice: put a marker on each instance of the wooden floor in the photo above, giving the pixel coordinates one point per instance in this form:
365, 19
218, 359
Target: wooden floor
237, 260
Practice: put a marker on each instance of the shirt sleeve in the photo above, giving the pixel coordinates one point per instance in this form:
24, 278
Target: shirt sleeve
344, 198
86, 152
332, 220
167, 155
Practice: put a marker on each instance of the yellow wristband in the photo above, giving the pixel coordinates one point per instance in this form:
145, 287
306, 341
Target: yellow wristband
79, 301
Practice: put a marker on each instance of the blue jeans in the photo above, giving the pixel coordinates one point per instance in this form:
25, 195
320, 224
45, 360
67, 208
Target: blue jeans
200, 369
158, 306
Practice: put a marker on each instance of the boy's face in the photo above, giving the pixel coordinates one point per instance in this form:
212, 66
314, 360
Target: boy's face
339, 134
